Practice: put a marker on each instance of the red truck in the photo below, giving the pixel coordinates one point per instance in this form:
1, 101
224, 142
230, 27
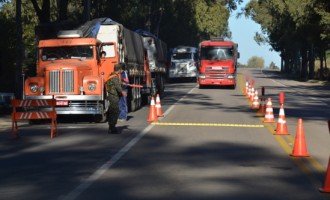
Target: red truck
217, 63
70, 68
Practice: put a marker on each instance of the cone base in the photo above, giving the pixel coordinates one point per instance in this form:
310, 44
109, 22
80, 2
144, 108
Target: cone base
152, 120
301, 155
152, 117
281, 133
159, 113
255, 107
269, 121
281, 130
261, 111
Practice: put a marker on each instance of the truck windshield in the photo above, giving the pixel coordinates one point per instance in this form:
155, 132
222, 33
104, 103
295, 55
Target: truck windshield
67, 52
180, 56
217, 53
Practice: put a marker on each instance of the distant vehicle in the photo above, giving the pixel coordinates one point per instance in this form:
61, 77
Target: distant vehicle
217, 62
183, 63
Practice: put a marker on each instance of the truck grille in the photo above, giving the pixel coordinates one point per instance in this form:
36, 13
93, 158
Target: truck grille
56, 82
216, 69
215, 72
182, 67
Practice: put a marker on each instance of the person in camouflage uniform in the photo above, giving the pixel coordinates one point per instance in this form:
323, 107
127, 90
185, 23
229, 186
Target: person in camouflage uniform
114, 91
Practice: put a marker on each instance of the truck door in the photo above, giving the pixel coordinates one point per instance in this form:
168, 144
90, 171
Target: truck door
108, 57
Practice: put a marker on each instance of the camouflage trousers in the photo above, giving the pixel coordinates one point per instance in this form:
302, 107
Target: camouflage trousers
113, 111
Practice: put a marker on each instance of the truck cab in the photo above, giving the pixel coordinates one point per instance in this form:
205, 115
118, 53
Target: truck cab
183, 63
217, 63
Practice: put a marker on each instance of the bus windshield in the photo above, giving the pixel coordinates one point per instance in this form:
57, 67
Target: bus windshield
67, 52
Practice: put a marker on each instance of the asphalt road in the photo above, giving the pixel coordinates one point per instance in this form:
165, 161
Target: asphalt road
209, 145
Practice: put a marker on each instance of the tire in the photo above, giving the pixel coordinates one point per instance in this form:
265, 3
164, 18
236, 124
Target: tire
160, 86
146, 99
101, 118
131, 102
133, 97
138, 95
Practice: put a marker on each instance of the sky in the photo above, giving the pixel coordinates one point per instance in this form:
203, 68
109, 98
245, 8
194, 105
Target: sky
243, 31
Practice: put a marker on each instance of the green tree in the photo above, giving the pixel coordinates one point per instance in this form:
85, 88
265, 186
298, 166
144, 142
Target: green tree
256, 62
297, 29
176, 22
7, 52
272, 65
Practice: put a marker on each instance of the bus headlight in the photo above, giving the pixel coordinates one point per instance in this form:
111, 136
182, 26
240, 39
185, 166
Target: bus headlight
34, 87
231, 76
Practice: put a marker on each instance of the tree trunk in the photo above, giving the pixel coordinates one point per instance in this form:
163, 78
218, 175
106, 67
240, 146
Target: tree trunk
304, 61
44, 13
311, 63
321, 64
63, 10
19, 51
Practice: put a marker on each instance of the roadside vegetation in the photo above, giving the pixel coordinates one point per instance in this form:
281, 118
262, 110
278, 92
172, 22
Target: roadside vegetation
299, 30
175, 22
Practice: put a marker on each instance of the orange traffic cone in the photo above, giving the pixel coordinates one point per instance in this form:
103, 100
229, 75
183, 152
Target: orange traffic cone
152, 111
299, 147
281, 129
159, 107
246, 88
326, 185
255, 103
251, 94
269, 114
262, 107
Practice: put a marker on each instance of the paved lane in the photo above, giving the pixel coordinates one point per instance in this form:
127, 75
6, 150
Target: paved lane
209, 145
196, 159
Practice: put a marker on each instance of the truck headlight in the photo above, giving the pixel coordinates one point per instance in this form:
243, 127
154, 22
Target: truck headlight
91, 87
34, 87
191, 65
231, 76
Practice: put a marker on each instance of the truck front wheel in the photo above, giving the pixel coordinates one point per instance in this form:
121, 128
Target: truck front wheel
101, 118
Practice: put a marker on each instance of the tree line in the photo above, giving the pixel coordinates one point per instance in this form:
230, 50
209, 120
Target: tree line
298, 29
176, 22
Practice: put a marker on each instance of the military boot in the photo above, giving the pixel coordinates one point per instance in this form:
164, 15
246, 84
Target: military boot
112, 130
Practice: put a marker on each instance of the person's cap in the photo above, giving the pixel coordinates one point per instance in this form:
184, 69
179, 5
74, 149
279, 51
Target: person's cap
119, 66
